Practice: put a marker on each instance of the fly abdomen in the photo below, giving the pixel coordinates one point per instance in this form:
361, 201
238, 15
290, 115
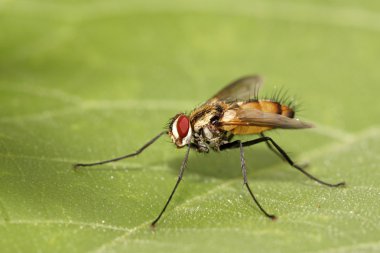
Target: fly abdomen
287, 111
270, 107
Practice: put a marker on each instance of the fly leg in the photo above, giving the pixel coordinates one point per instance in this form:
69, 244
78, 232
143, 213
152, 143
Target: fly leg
244, 171
181, 170
122, 157
270, 146
229, 138
236, 144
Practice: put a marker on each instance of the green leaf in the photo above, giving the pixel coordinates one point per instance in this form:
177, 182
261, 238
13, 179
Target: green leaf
87, 81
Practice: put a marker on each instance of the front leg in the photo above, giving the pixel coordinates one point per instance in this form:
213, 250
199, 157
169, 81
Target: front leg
181, 170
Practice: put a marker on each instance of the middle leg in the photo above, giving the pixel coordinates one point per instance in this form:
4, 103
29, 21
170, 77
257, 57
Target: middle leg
244, 171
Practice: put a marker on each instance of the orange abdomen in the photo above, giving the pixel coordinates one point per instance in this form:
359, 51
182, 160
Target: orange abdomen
269, 106
264, 106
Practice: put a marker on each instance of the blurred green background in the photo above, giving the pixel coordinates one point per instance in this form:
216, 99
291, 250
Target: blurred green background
90, 80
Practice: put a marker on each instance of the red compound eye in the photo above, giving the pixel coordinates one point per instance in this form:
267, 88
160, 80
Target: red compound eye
183, 126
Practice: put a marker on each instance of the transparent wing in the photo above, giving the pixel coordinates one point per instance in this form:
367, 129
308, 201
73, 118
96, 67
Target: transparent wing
254, 117
240, 90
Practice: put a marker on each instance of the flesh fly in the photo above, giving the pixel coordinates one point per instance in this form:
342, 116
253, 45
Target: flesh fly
235, 110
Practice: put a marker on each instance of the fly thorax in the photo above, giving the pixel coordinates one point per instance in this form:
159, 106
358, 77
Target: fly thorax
209, 137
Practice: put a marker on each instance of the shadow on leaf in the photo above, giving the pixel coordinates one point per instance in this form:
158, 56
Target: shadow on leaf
226, 164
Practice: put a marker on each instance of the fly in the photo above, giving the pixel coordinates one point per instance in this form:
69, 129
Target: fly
235, 110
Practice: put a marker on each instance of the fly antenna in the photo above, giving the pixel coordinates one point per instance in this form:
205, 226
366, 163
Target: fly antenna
77, 165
